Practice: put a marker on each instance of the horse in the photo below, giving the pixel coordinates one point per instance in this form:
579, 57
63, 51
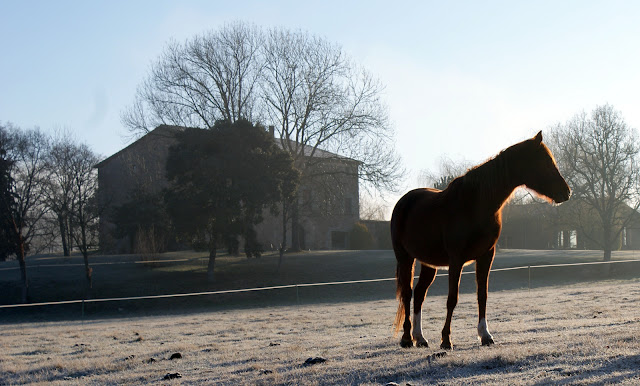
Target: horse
461, 224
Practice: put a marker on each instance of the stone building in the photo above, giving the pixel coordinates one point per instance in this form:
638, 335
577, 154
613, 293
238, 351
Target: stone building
328, 195
328, 202
138, 168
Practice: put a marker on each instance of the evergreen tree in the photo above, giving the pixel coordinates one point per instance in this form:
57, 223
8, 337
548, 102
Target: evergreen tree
221, 181
7, 202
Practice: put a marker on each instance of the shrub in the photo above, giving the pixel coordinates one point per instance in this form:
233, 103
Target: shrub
360, 237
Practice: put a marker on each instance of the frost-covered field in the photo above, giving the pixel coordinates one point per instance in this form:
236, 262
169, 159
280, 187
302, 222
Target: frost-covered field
579, 334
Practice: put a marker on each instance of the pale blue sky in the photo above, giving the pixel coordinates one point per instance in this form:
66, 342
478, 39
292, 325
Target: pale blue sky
463, 78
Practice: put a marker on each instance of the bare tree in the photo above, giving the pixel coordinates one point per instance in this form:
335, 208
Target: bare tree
70, 193
319, 100
372, 208
598, 155
85, 209
448, 170
316, 97
59, 187
211, 77
26, 151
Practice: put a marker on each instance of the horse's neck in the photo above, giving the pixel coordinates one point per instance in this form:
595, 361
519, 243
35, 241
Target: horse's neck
493, 183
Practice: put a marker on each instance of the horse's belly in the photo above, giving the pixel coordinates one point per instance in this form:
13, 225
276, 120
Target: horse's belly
434, 263
430, 254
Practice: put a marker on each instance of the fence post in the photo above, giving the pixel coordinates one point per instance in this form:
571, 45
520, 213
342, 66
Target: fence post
297, 296
529, 285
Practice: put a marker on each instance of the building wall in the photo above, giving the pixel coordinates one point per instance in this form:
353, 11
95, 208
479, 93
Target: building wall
632, 239
138, 167
329, 204
328, 208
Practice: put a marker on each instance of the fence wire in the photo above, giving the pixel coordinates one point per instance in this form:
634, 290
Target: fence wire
296, 286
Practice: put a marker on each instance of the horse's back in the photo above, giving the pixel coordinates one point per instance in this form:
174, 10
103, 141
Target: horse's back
416, 225
410, 200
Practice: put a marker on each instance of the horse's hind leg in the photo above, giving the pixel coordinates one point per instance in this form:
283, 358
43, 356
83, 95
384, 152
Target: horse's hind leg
483, 266
427, 275
404, 282
452, 300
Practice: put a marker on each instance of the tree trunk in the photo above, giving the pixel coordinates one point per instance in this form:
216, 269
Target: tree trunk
283, 244
295, 227
63, 236
212, 260
606, 268
23, 270
608, 242
88, 270
70, 237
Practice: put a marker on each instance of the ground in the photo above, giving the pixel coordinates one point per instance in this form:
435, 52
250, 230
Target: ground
577, 334
575, 324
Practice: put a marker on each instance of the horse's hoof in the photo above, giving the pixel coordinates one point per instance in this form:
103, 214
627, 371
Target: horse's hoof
422, 343
406, 343
446, 346
487, 341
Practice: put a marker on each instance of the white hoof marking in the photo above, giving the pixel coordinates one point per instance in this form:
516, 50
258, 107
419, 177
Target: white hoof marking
483, 330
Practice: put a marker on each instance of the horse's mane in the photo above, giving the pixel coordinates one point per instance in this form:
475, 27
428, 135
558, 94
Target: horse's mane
493, 178
488, 179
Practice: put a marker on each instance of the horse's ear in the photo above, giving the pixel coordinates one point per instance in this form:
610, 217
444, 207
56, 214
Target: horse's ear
538, 137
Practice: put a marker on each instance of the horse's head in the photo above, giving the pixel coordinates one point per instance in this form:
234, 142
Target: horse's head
539, 171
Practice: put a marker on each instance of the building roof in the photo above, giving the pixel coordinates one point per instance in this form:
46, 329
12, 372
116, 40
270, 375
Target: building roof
309, 150
164, 131
168, 131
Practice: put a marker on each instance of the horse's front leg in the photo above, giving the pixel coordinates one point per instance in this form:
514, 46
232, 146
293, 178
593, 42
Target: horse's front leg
483, 266
452, 300
427, 274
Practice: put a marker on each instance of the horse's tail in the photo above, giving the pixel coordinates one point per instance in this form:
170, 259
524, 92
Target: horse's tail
404, 282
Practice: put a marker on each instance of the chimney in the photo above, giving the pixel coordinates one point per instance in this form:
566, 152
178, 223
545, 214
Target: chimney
272, 131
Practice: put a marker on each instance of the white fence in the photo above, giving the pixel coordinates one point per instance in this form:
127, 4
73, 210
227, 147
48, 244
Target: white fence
294, 286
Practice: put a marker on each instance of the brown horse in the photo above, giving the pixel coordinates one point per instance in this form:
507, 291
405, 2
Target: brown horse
461, 224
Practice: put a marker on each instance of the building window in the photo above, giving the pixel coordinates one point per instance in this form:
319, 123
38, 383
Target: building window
560, 240
573, 239
338, 240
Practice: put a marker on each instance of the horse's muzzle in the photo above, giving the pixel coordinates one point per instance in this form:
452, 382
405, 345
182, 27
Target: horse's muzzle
563, 196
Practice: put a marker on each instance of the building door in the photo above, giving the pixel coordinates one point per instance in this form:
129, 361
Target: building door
301, 238
338, 240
